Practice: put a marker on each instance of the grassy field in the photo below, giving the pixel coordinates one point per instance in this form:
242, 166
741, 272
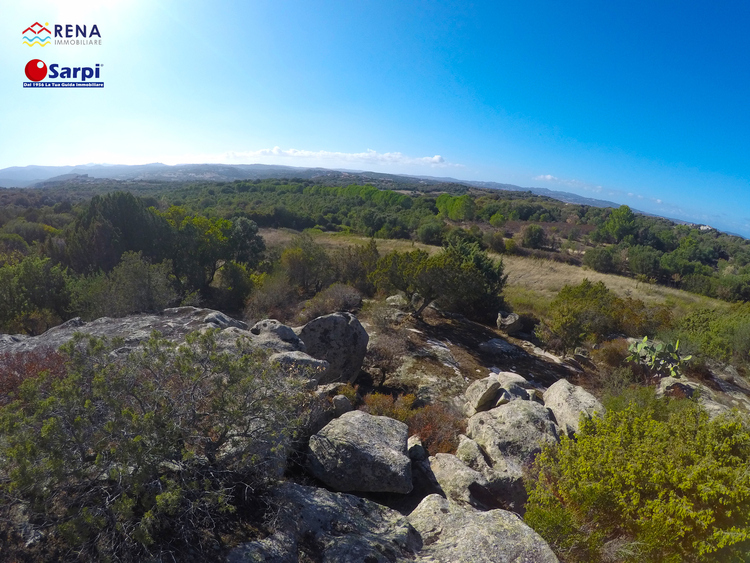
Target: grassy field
532, 282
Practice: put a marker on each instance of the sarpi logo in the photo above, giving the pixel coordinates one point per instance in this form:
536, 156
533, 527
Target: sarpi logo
36, 34
36, 72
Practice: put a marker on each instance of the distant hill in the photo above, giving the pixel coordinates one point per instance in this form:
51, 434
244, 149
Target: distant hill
112, 174
45, 176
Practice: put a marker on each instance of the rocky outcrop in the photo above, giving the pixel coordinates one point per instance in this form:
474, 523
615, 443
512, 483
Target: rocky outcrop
516, 430
172, 324
500, 348
507, 439
462, 484
271, 334
568, 402
318, 525
684, 389
462, 535
510, 323
362, 452
300, 364
481, 395
339, 339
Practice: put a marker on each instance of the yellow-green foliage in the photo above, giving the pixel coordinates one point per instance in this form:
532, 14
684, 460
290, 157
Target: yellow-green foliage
399, 408
721, 334
590, 311
654, 481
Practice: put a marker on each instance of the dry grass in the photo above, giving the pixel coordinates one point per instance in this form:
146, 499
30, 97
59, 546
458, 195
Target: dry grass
532, 282
532, 278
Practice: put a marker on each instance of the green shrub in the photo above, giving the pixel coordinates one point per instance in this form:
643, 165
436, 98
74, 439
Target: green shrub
590, 312
155, 455
534, 236
133, 286
396, 407
462, 278
652, 481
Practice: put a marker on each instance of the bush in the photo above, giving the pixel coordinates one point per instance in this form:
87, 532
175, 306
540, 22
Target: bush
275, 298
15, 368
386, 352
534, 236
599, 259
133, 286
157, 455
438, 426
655, 481
462, 278
591, 312
338, 297
353, 265
396, 407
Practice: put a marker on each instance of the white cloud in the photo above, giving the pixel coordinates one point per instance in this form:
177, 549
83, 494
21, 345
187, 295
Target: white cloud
547, 178
369, 157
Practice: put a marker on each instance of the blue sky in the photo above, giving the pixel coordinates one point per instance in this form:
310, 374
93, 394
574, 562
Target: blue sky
644, 103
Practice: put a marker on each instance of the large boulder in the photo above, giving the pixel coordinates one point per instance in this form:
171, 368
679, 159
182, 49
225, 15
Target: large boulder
362, 452
514, 432
273, 335
455, 534
568, 402
461, 483
516, 385
684, 389
510, 323
340, 339
504, 476
481, 395
298, 363
318, 525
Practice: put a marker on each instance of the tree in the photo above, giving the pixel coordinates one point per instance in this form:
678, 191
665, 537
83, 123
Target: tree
534, 236
621, 223
114, 224
599, 259
133, 286
247, 245
461, 277
201, 246
34, 295
644, 261
306, 264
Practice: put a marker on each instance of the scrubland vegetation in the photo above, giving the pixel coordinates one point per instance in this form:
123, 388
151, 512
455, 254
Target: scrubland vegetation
115, 456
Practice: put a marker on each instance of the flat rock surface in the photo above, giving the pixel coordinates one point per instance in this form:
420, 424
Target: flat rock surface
362, 452
454, 534
317, 525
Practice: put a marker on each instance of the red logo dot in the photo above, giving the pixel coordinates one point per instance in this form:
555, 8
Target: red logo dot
36, 70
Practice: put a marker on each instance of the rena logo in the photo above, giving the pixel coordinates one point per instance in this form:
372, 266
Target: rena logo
36, 34
36, 71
